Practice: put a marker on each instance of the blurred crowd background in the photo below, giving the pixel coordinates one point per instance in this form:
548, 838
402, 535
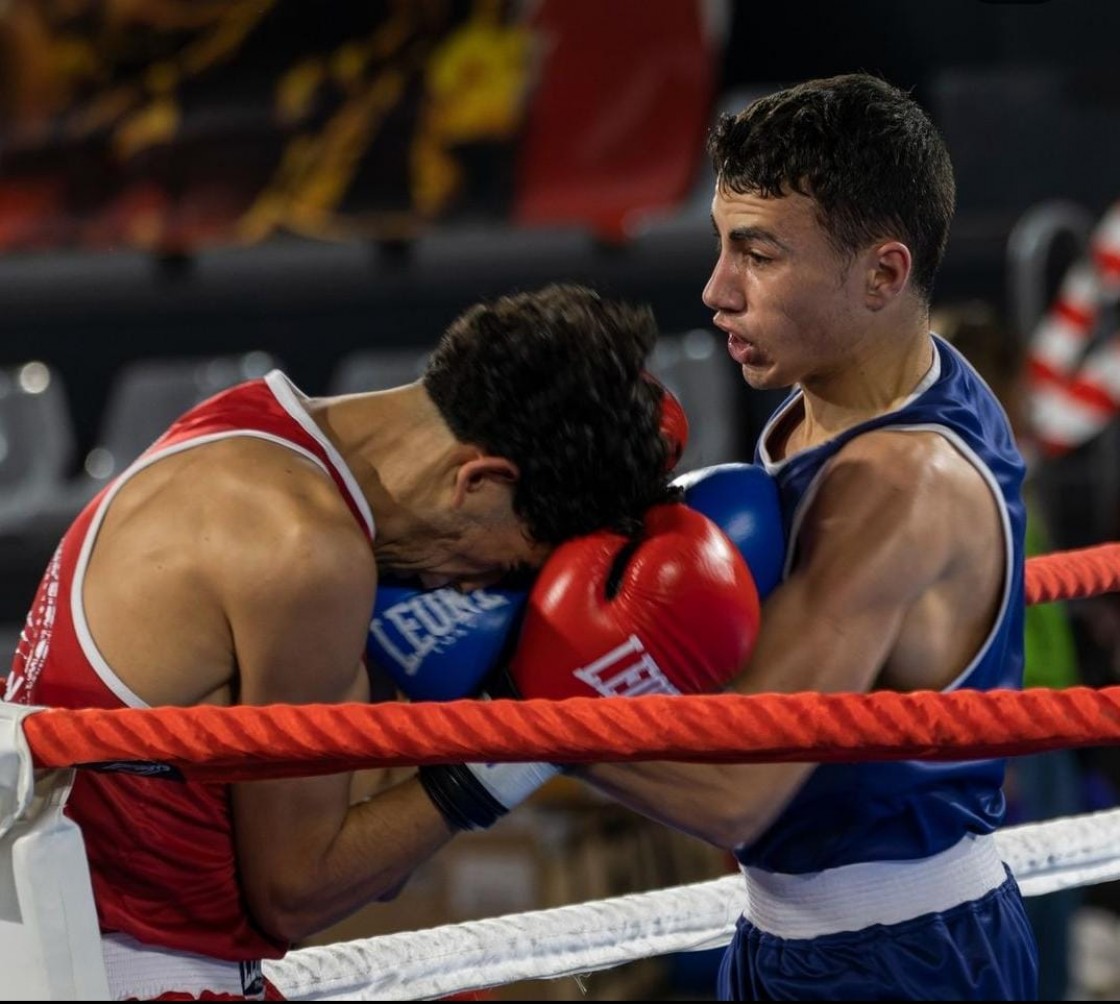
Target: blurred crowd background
195, 191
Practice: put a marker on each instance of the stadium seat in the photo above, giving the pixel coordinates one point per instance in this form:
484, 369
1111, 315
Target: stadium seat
36, 442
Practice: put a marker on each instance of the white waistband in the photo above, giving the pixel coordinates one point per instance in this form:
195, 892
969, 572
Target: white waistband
139, 971
852, 897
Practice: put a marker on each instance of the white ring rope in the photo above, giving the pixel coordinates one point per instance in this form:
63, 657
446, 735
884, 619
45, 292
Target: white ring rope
570, 940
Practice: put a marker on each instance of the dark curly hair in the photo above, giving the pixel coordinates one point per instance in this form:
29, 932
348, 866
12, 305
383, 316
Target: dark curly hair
553, 380
865, 151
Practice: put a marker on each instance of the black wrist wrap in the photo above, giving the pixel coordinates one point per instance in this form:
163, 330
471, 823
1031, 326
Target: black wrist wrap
461, 797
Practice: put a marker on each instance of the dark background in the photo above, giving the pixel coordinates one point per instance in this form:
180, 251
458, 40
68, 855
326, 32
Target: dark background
1027, 95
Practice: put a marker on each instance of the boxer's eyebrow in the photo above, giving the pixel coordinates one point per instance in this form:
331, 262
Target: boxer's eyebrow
756, 235
748, 233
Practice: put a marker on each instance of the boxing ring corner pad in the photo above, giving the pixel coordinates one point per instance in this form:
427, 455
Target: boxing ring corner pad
50, 944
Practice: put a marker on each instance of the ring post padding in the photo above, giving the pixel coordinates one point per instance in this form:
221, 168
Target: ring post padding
16, 768
50, 942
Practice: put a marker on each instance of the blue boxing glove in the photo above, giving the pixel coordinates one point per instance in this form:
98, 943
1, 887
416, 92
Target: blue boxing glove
438, 644
742, 499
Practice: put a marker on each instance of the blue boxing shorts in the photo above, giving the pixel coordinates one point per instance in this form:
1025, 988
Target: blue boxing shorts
844, 934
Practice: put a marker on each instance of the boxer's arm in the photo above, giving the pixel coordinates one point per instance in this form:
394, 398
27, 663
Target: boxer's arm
307, 855
894, 514
671, 610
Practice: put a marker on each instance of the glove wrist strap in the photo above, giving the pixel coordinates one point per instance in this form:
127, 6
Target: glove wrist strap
461, 800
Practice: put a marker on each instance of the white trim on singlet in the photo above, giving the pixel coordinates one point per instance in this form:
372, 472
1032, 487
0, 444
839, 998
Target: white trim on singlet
77, 608
932, 375
288, 397
1005, 521
291, 400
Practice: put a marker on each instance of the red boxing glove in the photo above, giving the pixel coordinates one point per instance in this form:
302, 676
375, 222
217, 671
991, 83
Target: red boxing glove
674, 423
673, 611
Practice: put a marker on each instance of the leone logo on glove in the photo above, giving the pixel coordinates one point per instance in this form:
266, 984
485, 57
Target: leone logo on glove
627, 670
438, 644
427, 622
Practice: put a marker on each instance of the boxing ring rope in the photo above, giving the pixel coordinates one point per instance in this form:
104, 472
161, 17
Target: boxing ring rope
286, 740
244, 742
587, 937
1074, 574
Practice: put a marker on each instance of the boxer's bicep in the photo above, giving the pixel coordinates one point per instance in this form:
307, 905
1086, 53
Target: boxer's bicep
871, 542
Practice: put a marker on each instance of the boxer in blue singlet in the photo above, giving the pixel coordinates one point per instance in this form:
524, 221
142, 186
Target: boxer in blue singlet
900, 487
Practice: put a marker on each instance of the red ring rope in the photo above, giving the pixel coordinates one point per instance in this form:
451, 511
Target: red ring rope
245, 742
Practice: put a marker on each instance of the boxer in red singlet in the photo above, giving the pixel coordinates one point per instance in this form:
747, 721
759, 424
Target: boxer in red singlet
237, 562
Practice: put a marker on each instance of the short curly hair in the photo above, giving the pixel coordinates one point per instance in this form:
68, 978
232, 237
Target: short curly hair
865, 151
554, 380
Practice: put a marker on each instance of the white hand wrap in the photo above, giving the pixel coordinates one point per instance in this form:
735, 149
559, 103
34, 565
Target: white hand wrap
474, 796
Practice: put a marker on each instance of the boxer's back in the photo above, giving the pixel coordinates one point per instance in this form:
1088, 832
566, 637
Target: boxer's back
161, 850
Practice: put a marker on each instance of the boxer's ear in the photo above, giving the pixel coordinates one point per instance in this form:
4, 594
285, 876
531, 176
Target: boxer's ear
480, 471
